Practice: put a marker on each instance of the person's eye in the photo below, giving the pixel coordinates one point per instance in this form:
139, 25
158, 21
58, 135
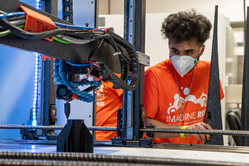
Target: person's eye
189, 52
175, 51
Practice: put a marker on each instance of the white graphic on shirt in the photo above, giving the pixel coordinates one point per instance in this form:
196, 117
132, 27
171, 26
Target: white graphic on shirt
180, 102
186, 91
101, 95
101, 103
101, 88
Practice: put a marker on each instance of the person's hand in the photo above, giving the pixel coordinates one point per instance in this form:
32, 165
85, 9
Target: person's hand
199, 126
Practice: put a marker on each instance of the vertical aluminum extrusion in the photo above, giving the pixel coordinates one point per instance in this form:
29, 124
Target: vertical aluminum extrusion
129, 33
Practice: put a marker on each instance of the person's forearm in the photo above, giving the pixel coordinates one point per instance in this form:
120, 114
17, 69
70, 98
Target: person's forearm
159, 124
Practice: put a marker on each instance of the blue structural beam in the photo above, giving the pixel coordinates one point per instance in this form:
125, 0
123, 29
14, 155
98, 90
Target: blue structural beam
129, 33
134, 32
67, 8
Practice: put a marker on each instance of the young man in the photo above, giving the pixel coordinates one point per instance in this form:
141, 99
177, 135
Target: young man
176, 89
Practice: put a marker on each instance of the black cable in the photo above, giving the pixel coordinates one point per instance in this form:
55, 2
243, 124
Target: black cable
16, 18
90, 57
114, 45
36, 36
78, 34
112, 40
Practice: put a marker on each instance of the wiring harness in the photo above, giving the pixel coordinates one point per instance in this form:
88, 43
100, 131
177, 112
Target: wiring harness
61, 77
69, 34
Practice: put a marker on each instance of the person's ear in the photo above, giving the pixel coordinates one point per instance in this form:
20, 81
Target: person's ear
202, 49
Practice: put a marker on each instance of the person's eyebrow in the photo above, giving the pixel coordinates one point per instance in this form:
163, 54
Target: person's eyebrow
189, 50
184, 50
174, 48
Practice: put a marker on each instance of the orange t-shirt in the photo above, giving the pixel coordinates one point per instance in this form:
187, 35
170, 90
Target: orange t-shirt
109, 101
162, 101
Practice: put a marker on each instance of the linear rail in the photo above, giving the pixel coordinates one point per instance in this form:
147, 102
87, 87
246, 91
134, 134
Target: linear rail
97, 159
100, 128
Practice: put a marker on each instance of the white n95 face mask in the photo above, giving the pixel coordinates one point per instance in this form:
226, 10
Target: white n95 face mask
183, 64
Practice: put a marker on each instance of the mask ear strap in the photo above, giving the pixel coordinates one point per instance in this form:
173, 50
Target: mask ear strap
200, 52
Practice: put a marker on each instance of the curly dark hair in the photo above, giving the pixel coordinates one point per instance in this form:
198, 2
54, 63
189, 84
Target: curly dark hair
186, 26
